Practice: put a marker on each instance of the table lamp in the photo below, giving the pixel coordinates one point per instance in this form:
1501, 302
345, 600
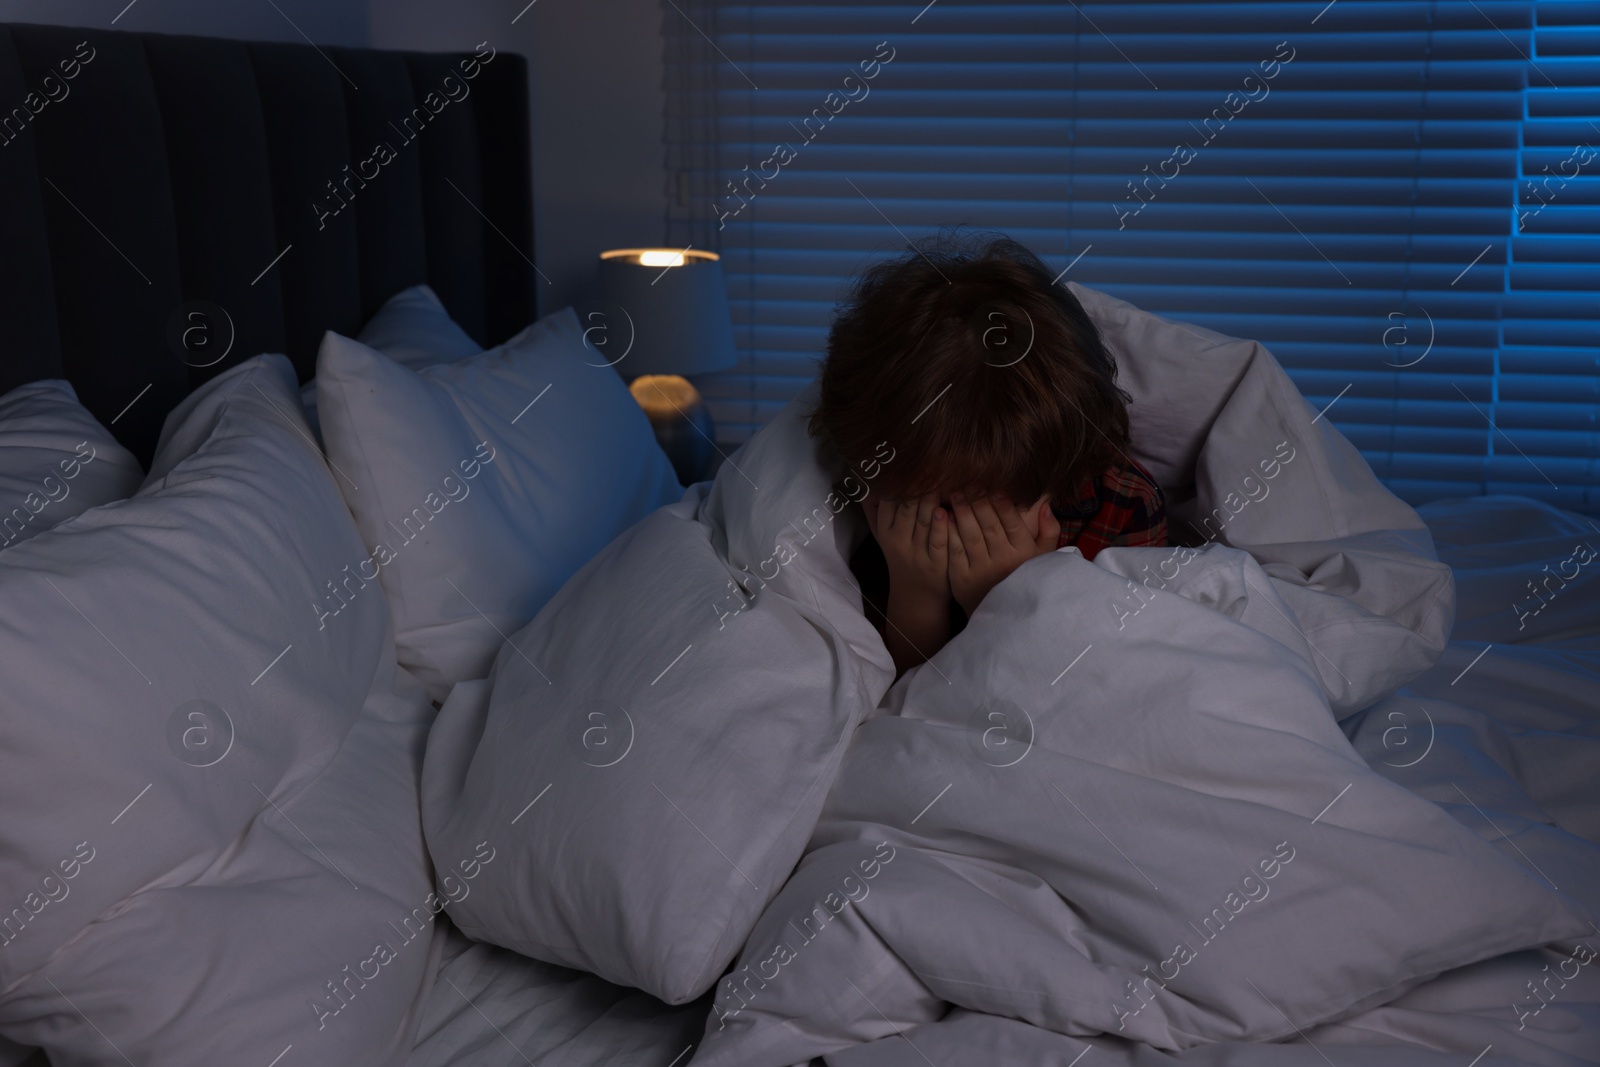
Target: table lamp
676, 304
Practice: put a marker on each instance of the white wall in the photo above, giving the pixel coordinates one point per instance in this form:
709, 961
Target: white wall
599, 161
597, 107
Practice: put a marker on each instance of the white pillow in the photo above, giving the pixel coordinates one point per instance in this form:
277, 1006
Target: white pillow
481, 486
412, 328
209, 791
687, 732
56, 461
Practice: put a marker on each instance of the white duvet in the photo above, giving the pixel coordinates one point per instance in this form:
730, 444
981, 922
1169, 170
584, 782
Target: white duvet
1119, 803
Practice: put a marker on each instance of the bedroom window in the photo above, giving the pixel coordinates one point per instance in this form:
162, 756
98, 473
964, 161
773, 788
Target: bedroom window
1397, 198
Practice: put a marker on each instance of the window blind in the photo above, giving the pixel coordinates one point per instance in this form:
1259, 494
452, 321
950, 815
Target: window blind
1397, 197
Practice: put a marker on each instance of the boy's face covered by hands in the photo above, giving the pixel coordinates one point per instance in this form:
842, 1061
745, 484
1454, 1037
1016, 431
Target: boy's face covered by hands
962, 549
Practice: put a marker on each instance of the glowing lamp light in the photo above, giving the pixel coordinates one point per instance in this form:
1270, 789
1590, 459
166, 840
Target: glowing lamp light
659, 257
673, 304
655, 257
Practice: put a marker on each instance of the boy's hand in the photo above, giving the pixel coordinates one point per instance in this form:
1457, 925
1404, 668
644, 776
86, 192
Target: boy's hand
914, 536
992, 539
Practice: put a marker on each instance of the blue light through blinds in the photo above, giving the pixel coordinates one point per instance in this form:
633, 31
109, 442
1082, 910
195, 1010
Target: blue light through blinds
1398, 198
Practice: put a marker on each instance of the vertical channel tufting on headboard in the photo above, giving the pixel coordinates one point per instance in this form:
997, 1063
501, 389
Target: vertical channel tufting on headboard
217, 159
235, 190
308, 145
452, 171
385, 143
507, 173
30, 338
112, 240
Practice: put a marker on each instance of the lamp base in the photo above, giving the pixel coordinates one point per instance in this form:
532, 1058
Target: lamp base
681, 421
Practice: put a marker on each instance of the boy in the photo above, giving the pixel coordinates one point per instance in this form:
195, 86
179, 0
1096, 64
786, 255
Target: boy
1010, 433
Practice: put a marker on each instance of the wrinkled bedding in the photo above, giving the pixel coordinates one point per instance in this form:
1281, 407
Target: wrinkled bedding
1181, 852
1504, 733
491, 1007
1520, 725
1149, 803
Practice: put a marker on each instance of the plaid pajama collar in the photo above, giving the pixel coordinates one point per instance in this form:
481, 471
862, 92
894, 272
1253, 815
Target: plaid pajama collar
1122, 507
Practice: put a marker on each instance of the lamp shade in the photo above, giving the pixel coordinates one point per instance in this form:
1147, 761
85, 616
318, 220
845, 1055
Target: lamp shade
673, 306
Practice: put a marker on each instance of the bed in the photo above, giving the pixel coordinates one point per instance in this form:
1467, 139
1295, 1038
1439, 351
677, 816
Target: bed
1525, 724
177, 206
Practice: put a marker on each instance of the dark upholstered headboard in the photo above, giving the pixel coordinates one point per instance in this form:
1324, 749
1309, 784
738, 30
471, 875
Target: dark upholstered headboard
175, 194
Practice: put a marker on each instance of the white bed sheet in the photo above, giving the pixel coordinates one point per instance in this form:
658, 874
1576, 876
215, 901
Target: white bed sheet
491, 1007
1504, 732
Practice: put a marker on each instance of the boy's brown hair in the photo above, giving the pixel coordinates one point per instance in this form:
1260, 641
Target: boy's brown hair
978, 371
